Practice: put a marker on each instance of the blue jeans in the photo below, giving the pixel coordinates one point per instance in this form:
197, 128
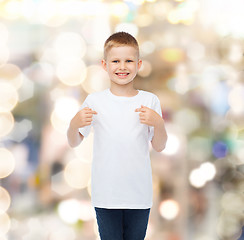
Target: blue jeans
122, 224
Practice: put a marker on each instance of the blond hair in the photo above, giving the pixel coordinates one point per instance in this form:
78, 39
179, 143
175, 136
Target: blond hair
120, 39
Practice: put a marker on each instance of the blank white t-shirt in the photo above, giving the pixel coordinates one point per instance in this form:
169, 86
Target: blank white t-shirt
121, 174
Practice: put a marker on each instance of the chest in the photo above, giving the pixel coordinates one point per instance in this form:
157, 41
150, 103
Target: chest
118, 122
116, 115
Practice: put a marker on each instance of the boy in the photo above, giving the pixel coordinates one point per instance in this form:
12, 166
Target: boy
124, 120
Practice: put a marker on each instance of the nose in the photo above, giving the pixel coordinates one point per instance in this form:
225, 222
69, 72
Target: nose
122, 65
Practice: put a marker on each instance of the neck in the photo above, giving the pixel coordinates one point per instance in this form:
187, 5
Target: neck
126, 91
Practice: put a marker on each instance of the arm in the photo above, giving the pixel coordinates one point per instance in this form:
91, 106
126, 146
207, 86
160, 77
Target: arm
74, 137
152, 118
160, 136
81, 119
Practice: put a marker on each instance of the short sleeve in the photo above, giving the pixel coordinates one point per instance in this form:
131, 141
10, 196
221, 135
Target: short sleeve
156, 106
85, 130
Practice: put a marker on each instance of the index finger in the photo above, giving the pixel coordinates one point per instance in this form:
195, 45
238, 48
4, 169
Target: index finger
91, 111
138, 110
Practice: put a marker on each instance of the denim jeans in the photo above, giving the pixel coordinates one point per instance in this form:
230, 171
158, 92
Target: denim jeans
122, 224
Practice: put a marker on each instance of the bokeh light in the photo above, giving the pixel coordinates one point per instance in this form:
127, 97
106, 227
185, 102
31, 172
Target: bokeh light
224, 24
71, 72
196, 51
183, 13
239, 151
59, 184
236, 99
4, 199
4, 55
220, 149
209, 170
188, 120
144, 20
172, 55
65, 108
147, 47
35, 228
6, 123
21, 130
4, 34
127, 27
200, 176
235, 53
12, 9
136, 2
4, 51
11, 74
169, 209
5, 223
197, 179
26, 91
69, 45
3, 238
7, 162
77, 173
84, 151
228, 227
172, 145
69, 210
183, 82
119, 9
8, 97
146, 69
232, 202
63, 234
87, 212
96, 80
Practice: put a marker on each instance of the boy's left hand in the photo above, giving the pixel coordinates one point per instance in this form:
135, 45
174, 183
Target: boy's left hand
149, 116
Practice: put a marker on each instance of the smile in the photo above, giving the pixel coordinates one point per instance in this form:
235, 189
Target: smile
122, 74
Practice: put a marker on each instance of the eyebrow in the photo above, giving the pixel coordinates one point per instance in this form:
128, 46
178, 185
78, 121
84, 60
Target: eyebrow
127, 58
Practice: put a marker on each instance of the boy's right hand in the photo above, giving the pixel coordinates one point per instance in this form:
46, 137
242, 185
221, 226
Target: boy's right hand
82, 118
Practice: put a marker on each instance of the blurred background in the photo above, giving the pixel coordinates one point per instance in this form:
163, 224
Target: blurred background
50, 54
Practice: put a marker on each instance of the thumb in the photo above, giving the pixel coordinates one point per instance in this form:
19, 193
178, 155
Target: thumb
137, 110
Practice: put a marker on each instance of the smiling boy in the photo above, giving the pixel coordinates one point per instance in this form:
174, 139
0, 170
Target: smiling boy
124, 120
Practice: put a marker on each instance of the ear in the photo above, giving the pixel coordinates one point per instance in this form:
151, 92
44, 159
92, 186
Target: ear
104, 64
139, 63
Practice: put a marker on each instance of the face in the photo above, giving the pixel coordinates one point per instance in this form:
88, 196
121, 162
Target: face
122, 64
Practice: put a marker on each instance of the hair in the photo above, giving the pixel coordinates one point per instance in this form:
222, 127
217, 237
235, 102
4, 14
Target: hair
120, 39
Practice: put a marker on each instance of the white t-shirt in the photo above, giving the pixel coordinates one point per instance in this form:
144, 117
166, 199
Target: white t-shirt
121, 174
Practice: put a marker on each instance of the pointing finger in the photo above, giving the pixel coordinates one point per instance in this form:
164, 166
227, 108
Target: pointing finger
142, 106
91, 111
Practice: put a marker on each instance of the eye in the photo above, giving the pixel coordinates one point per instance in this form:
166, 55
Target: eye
115, 61
129, 61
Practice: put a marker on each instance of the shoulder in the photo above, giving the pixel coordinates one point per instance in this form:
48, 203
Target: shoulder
97, 95
149, 95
